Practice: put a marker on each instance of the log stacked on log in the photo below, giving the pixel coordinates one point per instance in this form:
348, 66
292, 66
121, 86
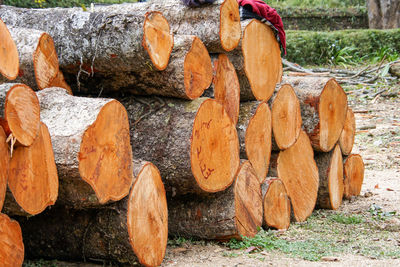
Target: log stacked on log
5, 165
9, 62
11, 245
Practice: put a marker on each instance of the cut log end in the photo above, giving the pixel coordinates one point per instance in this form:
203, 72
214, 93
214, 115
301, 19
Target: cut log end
353, 175
157, 39
248, 201
215, 147
4, 163
22, 114
148, 217
286, 117
262, 59
11, 245
346, 140
258, 141
276, 205
230, 30
332, 113
9, 60
33, 178
299, 173
198, 71
226, 87
105, 157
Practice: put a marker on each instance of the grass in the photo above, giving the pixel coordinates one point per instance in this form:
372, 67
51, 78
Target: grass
317, 3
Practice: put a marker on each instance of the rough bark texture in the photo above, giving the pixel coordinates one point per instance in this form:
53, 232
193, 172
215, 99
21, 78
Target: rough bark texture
33, 179
232, 213
217, 24
4, 166
96, 45
383, 14
91, 145
254, 131
19, 112
9, 61
11, 245
323, 105
194, 144
346, 139
129, 231
276, 204
353, 175
330, 167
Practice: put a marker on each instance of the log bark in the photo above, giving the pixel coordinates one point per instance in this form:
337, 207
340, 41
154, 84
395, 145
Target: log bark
254, 131
330, 167
383, 14
217, 24
11, 245
276, 204
92, 151
19, 112
100, 44
233, 213
38, 67
133, 230
346, 139
286, 118
9, 61
194, 144
297, 169
353, 175
33, 179
4, 166
323, 105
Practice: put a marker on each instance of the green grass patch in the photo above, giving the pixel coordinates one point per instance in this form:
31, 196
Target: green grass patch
317, 3
346, 219
62, 3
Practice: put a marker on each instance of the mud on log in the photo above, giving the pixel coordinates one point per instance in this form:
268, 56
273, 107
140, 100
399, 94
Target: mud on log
353, 175
19, 112
5, 165
11, 245
233, 213
132, 230
194, 144
91, 145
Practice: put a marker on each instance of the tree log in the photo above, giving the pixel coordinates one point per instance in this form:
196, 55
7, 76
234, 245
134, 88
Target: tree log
353, 175
297, 169
33, 179
217, 24
346, 139
19, 112
9, 61
233, 213
323, 105
286, 118
91, 145
383, 14
132, 230
4, 166
11, 245
194, 144
38, 67
254, 130
276, 204
330, 167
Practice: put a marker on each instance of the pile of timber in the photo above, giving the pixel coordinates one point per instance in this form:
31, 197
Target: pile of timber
204, 121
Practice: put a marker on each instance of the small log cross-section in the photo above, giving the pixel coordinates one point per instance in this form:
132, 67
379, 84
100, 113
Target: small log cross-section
19, 112
9, 60
286, 118
33, 179
254, 130
299, 173
330, 167
11, 245
233, 213
131, 231
323, 105
346, 140
38, 66
194, 144
276, 204
353, 175
4, 166
91, 144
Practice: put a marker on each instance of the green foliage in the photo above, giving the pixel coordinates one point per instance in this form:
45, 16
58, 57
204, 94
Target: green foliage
379, 214
62, 3
316, 3
346, 219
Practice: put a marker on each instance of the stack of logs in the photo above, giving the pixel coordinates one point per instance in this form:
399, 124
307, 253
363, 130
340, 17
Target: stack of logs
201, 97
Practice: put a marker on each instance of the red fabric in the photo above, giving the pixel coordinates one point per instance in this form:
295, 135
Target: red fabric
270, 14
